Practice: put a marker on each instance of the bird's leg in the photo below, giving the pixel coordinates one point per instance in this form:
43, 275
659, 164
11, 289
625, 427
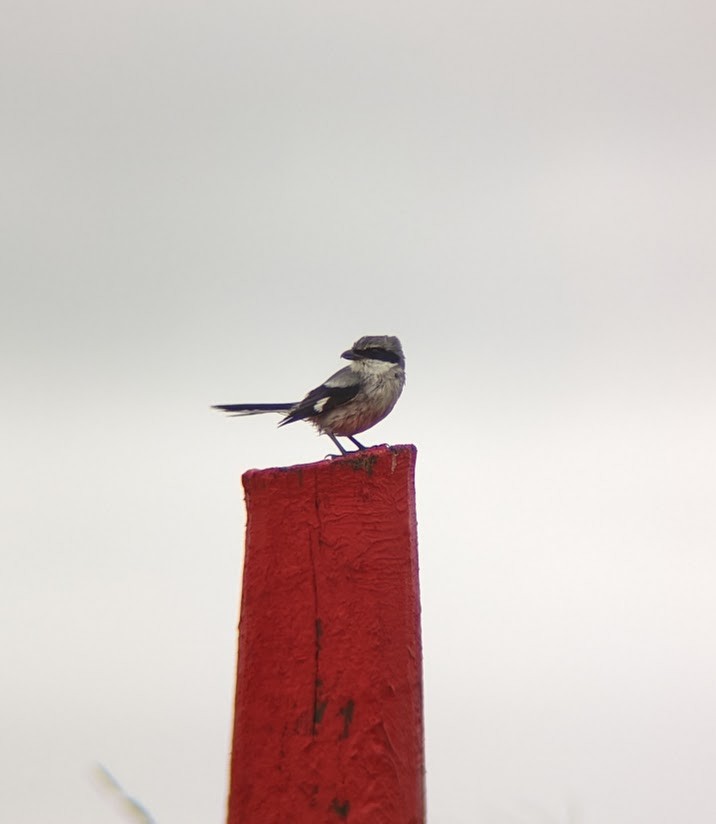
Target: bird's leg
357, 443
337, 443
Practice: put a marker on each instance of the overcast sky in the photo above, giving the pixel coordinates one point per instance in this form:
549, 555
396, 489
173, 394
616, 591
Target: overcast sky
207, 203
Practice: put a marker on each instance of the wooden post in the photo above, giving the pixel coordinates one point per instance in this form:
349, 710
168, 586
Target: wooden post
328, 723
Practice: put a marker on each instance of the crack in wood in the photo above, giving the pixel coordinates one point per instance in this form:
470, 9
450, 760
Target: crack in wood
319, 706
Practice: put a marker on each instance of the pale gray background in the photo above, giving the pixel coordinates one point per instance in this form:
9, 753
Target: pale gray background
206, 202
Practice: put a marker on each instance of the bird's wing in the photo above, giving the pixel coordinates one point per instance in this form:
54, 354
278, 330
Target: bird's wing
337, 390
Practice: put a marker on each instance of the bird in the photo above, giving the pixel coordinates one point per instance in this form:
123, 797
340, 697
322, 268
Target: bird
352, 400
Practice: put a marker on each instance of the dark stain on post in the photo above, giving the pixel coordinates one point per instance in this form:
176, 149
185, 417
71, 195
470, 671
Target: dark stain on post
318, 712
364, 463
347, 713
319, 706
341, 809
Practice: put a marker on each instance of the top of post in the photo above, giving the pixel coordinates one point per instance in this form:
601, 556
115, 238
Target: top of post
382, 460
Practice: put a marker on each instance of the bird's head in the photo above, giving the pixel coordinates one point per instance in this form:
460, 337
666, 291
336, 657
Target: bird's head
385, 348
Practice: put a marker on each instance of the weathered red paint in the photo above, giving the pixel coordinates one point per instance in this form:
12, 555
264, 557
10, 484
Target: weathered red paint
328, 722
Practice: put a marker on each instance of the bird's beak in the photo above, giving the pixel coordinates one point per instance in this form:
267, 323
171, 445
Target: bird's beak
349, 354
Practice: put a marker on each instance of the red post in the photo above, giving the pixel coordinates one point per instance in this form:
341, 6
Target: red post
328, 723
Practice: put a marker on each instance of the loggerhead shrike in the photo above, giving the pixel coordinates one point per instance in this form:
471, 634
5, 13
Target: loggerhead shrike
352, 400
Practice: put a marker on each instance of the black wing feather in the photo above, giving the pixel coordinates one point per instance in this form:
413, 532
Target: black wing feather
335, 395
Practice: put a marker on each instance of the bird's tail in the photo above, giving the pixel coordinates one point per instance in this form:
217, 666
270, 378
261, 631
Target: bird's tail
254, 408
